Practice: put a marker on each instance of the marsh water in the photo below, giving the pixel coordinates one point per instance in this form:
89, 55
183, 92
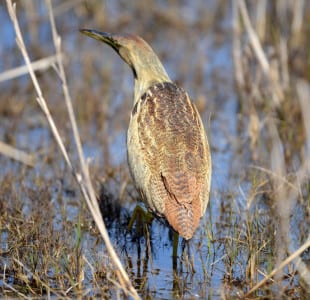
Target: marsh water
194, 42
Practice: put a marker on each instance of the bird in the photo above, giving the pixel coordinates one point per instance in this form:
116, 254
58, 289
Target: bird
167, 147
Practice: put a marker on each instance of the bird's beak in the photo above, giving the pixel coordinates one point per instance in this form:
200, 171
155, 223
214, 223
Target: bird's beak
103, 37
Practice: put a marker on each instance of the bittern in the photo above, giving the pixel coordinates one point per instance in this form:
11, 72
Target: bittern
167, 147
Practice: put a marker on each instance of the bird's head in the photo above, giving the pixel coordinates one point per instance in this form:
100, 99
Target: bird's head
135, 52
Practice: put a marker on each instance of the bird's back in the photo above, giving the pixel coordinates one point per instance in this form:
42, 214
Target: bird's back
167, 148
172, 167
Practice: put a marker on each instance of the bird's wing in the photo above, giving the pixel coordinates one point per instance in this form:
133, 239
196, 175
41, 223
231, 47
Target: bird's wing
174, 147
173, 141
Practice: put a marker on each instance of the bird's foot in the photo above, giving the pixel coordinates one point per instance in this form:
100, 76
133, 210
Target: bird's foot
142, 218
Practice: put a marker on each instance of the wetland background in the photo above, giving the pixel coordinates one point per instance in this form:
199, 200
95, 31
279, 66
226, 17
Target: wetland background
246, 64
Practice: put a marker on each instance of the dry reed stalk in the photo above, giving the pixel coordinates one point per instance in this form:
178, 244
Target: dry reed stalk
37, 277
286, 195
288, 260
16, 291
297, 22
30, 8
17, 154
285, 75
277, 94
39, 99
286, 192
260, 22
271, 173
303, 92
255, 43
41, 64
83, 179
237, 53
282, 203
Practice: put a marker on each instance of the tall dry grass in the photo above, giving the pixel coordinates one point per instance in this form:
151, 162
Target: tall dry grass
276, 98
82, 176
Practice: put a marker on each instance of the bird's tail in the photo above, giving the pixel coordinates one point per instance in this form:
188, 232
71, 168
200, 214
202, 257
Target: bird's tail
184, 218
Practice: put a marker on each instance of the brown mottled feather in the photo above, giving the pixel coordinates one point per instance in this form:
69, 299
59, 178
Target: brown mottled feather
167, 148
170, 134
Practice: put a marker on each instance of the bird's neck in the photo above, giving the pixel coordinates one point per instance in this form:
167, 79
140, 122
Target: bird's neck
147, 76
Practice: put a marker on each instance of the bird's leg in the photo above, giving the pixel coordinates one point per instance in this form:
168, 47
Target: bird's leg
187, 257
141, 216
175, 243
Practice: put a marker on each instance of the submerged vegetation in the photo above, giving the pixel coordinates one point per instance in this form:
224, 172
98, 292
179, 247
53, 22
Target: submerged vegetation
247, 66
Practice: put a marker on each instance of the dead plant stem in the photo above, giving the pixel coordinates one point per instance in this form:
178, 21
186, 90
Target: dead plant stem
84, 178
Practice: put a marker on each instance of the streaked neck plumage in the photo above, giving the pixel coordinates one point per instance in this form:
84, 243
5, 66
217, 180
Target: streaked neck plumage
148, 72
146, 67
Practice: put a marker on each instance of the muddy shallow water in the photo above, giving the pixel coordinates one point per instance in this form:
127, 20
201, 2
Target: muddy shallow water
45, 224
